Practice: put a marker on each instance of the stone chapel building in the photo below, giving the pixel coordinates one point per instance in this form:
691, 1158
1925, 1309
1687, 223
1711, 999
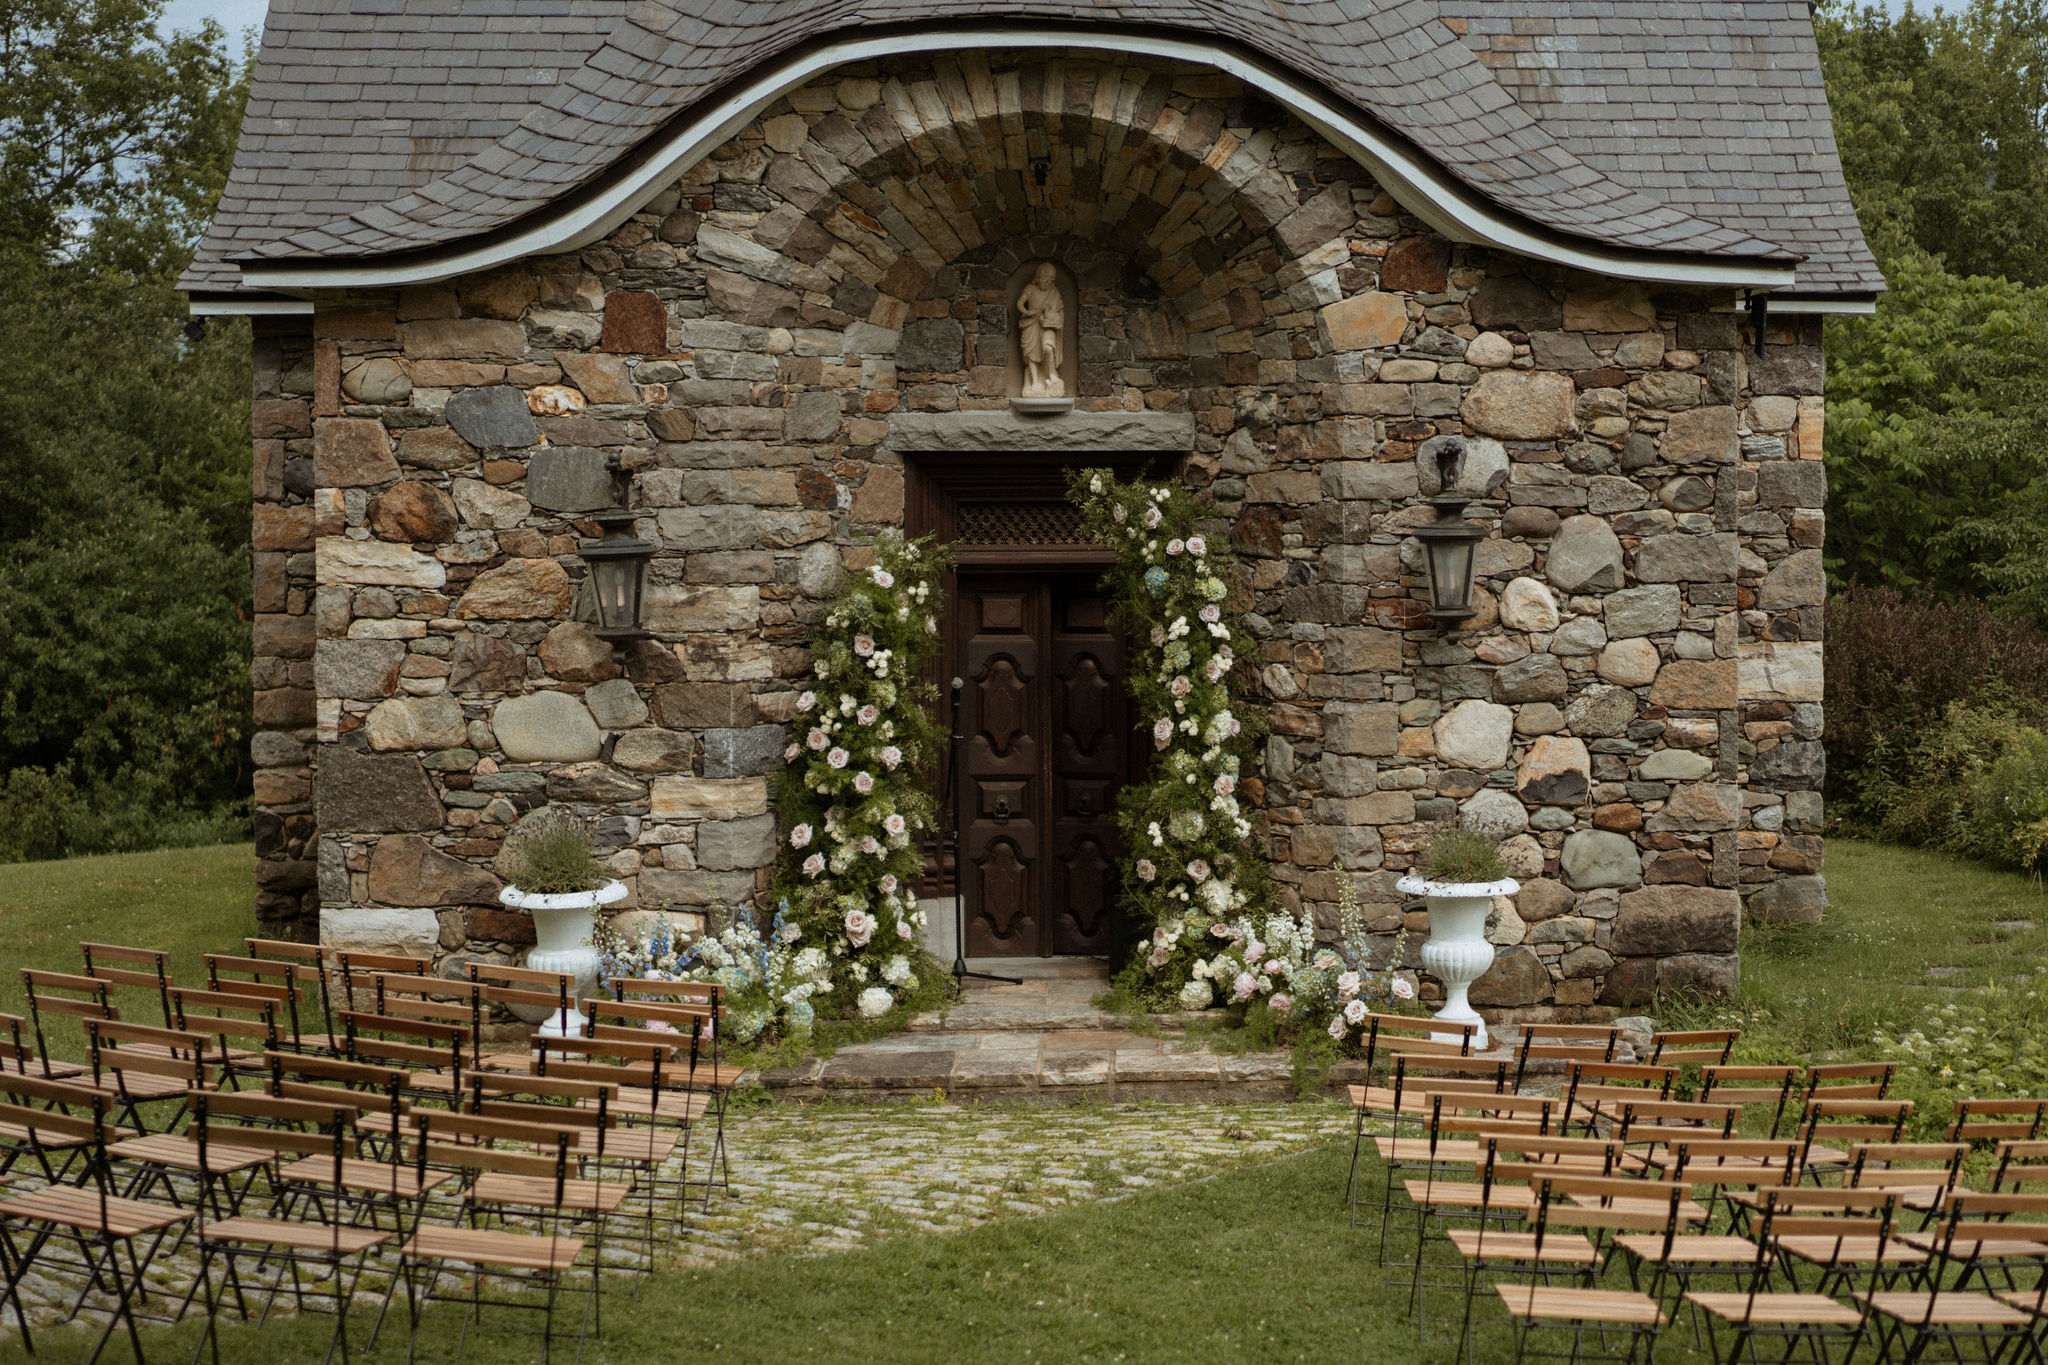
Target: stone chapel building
755, 267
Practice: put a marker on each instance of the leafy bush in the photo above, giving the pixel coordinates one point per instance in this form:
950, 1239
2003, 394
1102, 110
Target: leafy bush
1896, 665
1976, 785
550, 855
1458, 854
47, 813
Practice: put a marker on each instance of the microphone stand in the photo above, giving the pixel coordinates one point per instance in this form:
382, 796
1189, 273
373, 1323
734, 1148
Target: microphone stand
953, 742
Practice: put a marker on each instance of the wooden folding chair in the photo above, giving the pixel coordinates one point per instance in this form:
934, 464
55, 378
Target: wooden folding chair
514, 987
1846, 1236
1641, 1123
1581, 1202
461, 1004
103, 1226
305, 957
542, 1260
64, 995
1674, 1262
1553, 1250
1693, 1047
2000, 1234
244, 1026
143, 969
1405, 1099
1385, 1037
296, 989
1757, 1312
432, 1055
316, 1133
1556, 1046
1753, 1086
2019, 1166
701, 1084
1593, 1089
648, 1088
1923, 1173
1850, 1081
350, 972
1830, 1126
1996, 1120
135, 1065
1454, 1141
1910, 1321
19, 1055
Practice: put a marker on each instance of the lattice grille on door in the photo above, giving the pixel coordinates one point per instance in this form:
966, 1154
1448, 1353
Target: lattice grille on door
1021, 523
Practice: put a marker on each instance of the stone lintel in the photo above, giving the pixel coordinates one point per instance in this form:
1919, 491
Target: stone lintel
1010, 431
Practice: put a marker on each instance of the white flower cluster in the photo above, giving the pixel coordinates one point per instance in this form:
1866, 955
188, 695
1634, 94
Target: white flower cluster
765, 979
1252, 959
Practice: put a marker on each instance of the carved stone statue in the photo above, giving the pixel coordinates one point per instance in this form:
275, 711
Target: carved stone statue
1041, 334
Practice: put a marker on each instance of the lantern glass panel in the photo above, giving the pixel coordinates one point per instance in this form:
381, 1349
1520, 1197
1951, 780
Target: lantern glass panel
1450, 574
618, 591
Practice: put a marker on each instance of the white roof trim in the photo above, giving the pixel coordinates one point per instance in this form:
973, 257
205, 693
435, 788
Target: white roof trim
232, 307
1420, 185
1844, 307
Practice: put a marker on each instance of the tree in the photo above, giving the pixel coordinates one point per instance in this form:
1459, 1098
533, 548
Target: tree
124, 573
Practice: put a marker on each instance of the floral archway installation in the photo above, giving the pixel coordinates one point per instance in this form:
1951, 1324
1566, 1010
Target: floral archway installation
856, 794
1196, 876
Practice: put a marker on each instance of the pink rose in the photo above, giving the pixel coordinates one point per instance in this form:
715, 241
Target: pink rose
800, 837
888, 883
1274, 966
1337, 1028
1158, 958
1225, 785
869, 846
789, 754
1146, 872
891, 756
816, 739
1162, 733
1244, 987
1175, 546
1282, 1003
1180, 686
860, 927
1198, 870
863, 783
837, 758
1402, 989
814, 864
1197, 545
1210, 614
883, 578
1153, 518
867, 715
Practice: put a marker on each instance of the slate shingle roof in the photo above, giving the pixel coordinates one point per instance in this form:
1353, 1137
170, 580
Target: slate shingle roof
377, 127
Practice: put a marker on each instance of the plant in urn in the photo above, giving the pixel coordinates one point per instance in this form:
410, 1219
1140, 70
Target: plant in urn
555, 877
1460, 873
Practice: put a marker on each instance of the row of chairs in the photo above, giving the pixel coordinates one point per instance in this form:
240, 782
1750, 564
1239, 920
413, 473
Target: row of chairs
1832, 1230
165, 1129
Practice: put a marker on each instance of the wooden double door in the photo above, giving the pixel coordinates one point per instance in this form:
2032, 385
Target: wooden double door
1046, 730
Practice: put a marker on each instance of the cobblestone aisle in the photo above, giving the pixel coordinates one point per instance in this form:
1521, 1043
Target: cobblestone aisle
823, 1178
826, 1179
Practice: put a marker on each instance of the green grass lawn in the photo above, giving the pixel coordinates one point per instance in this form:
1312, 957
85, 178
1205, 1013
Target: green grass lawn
186, 901
1895, 913
1253, 1264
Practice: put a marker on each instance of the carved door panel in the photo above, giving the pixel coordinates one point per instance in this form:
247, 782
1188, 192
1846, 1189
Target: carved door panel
1090, 730
1046, 724
1002, 718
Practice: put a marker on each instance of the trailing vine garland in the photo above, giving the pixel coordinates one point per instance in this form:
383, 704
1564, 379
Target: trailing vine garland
856, 793
1195, 875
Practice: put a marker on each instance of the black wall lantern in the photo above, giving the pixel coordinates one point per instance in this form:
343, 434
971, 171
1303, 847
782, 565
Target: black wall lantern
618, 573
1450, 542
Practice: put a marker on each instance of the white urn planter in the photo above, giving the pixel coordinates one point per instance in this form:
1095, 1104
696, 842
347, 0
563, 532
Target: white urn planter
1457, 953
561, 921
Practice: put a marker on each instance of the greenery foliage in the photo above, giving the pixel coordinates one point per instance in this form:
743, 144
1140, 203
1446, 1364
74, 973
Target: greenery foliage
549, 854
856, 794
1193, 862
1937, 435
124, 566
1458, 854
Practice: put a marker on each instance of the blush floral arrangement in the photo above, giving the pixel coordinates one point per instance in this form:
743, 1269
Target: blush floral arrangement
1196, 879
856, 793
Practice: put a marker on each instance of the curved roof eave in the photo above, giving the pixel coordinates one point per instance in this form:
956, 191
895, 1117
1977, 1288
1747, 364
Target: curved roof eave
1422, 186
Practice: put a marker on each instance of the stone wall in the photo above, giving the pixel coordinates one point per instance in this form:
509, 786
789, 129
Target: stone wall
1638, 698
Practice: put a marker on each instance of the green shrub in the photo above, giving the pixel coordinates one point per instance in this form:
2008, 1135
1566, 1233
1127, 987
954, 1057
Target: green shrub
1975, 785
48, 813
1458, 854
550, 855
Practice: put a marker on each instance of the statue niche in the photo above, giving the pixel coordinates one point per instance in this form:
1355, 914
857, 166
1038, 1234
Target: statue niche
1043, 307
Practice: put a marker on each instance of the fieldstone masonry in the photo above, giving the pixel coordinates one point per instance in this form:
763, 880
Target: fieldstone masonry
1636, 703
